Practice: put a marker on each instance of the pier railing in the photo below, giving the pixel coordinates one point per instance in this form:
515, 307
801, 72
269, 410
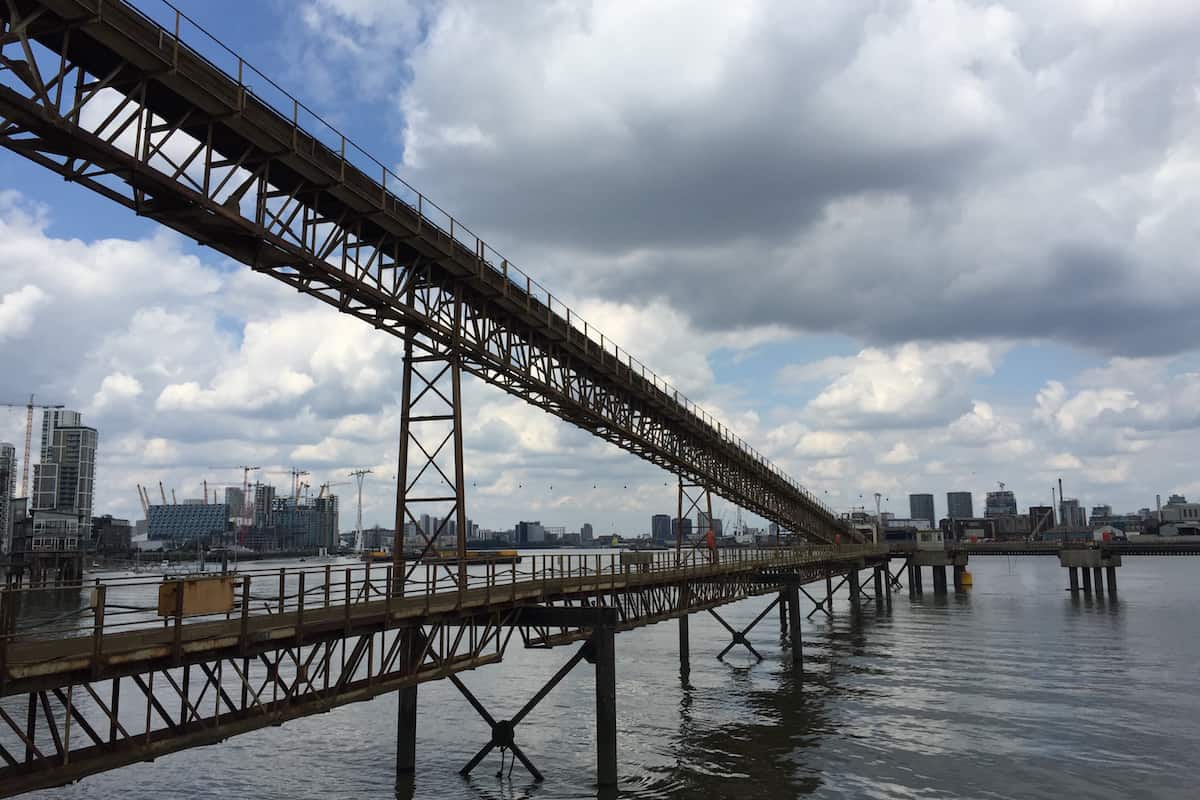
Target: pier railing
105, 607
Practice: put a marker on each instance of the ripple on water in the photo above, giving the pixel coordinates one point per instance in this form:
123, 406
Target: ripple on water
1016, 690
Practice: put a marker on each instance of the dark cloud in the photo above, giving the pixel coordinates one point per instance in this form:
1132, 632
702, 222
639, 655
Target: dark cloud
912, 172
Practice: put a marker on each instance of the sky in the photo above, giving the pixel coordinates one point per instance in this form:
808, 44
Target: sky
898, 247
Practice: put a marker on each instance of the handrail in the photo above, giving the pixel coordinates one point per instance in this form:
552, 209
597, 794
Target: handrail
130, 603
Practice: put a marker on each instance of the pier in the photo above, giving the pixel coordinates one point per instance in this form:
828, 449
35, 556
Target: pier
215, 656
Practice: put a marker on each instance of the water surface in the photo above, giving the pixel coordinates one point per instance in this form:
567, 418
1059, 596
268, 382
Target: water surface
1013, 690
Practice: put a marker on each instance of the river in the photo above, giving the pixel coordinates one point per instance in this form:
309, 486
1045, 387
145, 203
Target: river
1014, 689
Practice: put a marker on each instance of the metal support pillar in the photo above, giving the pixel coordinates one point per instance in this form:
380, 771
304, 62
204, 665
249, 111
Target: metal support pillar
1112, 580
697, 498
794, 638
879, 590
406, 722
939, 580
685, 664
959, 569
829, 591
429, 477
1098, 576
1073, 578
1087, 580
603, 649
783, 612
914, 580
855, 589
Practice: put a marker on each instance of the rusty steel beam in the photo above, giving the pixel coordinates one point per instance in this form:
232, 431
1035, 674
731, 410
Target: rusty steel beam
105, 97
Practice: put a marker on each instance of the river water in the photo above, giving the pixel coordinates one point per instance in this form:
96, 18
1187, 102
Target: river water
1014, 689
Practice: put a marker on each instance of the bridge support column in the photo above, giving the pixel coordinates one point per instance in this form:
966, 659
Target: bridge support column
604, 652
793, 606
939, 580
685, 663
406, 722
879, 590
855, 589
429, 477
958, 577
829, 591
1073, 578
1092, 564
698, 498
783, 612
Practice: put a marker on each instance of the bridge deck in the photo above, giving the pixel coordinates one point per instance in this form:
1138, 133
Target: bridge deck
343, 608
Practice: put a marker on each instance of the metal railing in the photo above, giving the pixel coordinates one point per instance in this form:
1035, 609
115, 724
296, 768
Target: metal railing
104, 608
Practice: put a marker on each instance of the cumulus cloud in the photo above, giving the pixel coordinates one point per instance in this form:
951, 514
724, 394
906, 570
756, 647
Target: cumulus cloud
114, 389
18, 310
910, 384
920, 171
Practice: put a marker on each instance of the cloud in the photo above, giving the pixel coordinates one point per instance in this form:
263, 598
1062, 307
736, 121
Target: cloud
900, 453
909, 385
931, 172
18, 310
116, 388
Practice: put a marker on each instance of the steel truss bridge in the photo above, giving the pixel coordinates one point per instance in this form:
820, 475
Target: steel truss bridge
104, 96
107, 683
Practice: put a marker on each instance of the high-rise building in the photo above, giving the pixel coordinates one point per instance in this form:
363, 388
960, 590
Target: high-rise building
305, 523
683, 528
234, 498
1041, 519
64, 480
718, 527
1000, 504
264, 504
587, 533
702, 522
1072, 513
920, 506
660, 528
530, 533
959, 505
8, 488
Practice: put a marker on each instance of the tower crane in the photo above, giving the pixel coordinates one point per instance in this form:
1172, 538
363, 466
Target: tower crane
245, 518
325, 487
29, 407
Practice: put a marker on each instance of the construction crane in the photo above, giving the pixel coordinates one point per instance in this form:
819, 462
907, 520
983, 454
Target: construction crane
325, 487
144, 499
297, 474
29, 407
245, 518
